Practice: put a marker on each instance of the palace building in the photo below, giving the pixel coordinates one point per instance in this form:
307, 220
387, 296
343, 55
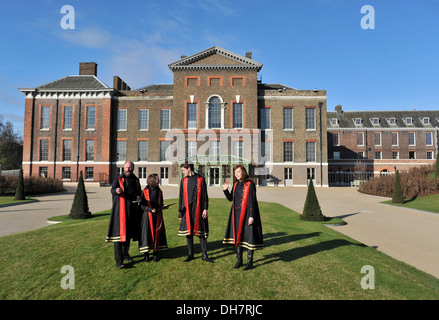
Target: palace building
217, 113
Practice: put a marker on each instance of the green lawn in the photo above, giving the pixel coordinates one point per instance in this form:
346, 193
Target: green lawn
301, 260
428, 203
10, 200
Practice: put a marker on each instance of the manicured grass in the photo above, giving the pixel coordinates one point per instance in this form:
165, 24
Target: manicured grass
10, 200
301, 260
428, 203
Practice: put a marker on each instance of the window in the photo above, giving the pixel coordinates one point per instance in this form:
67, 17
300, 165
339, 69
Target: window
67, 150
429, 155
310, 152
191, 149
408, 121
412, 141
288, 118
288, 173
191, 115
143, 150
395, 155
89, 173
336, 155
165, 119
91, 114
164, 150
66, 173
42, 172
336, 139
377, 138
429, 138
89, 150
394, 138
360, 154
426, 120
237, 148
45, 118
143, 119
310, 114
121, 149
44, 150
360, 138
288, 152
68, 117
214, 148
265, 114
237, 115
391, 121
333, 122
214, 113
375, 121
121, 119
142, 173
412, 155
378, 155
357, 121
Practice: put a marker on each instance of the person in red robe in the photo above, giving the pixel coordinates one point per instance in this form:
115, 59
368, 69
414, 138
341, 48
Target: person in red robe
152, 225
244, 227
124, 219
192, 211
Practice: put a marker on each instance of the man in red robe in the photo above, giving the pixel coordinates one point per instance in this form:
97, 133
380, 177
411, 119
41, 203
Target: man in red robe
124, 220
192, 211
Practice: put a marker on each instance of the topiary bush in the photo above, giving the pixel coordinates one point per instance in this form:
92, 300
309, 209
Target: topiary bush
311, 209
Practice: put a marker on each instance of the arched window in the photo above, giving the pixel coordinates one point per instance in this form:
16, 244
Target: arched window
214, 113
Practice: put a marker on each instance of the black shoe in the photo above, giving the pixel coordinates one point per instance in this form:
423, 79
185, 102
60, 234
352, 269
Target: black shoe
120, 266
238, 264
249, 266
128, 259
206, 258
189, 258
156, 259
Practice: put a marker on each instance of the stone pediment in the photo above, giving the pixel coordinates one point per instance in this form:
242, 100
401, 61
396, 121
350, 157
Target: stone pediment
215, 58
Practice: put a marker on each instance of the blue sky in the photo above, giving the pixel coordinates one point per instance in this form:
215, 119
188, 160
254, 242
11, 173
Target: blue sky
304, 44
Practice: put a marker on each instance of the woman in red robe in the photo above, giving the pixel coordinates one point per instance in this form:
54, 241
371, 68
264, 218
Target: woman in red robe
244, 228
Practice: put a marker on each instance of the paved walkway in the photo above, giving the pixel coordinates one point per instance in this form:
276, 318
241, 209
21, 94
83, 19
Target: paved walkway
407, 235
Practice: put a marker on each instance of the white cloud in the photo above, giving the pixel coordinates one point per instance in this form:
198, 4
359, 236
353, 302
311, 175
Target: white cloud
90, 37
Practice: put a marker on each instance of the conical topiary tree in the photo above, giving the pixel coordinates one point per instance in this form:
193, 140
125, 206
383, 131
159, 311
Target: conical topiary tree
398, 195
80, 202
311, 209
19, 192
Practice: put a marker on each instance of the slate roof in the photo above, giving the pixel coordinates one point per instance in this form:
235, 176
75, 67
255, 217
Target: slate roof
345, 119
81, 82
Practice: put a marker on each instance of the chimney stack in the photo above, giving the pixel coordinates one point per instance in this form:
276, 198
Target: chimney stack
88, 68
338, 108
248, 55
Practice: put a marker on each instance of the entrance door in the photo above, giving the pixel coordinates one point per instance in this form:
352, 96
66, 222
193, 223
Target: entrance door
164, 175
288, 177
311, 174
214, 176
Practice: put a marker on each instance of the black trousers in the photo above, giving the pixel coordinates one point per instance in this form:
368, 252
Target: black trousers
121, 250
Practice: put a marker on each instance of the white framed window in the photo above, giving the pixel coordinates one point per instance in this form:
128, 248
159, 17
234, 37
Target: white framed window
215, 116
66, 173
412, 139
288, 151
265, 116
238, 148
378, 155
357, 121
238, 115
333, 122
45, 118
122, 119
310, 152
191, 109
164, 150
395, 140
360, 138
336, 155
391, 121
121, 150
68, 118
288, 118
91, 117
44, 149
143, 119
395, 155
191, 150
89, 150
67, 150
310, 118
426, 120
429, 138
336, 139
429, 155
375, 121
409, 121
143, 150
165, 119
89, 171
377, 138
